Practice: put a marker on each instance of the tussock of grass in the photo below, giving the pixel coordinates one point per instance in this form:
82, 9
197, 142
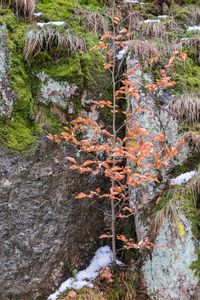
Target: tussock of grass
187, 107
23, 8
93, 20
145, 50
165, 208
192, 139
85, 294
49, 37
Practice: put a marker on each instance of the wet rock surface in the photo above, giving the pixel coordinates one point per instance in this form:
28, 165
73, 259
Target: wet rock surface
45, 233
7, 96
168, 273
56, 93
167, 270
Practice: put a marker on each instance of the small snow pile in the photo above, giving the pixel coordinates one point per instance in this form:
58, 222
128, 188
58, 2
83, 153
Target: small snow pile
51, 24
193, 28
101, 260
151, 21
163, 17
122, 53
183, 178
133, 1
38, 14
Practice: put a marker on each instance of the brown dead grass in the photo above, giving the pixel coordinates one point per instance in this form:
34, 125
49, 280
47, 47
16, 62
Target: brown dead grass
86, 294
24, 8
192, 139
187, 108
159, 29
126, 285
49, 37
147, 49
93, 21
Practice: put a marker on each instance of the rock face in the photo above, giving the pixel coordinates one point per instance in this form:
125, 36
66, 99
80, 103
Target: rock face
167, 272
7, 96
44, 232
56, 93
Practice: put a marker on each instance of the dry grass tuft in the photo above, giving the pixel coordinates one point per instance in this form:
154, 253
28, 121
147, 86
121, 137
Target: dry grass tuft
85, 294
24, 8
93, 21
195, 185
192, 139
158, 29
48, 38
134, 21
193, 42
187, 107
147, 49
168, 211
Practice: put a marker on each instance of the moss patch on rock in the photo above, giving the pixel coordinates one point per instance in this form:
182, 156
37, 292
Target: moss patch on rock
187, 76
84, 69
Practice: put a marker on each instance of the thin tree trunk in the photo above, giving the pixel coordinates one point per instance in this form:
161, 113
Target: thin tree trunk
114, 162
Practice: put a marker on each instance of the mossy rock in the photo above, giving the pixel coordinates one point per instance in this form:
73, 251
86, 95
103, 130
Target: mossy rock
187, 76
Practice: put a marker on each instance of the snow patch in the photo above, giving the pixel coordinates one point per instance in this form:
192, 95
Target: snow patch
122, 53
183, 178
133, 1
38, 14
193, 28
163, 17
41, 25
102, 259
151, 21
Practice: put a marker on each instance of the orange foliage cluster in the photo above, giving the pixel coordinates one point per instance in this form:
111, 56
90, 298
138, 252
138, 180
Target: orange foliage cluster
135, 148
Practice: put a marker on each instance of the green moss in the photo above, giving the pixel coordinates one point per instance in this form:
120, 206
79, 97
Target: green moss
52, 122
190, 164
17, 135
187, 76
67, 69
196, 265
183, 13
189, 207
64, 9
164, 200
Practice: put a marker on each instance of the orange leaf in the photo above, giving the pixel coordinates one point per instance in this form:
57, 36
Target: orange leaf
71, 159
115, 18
184, 55
50, 137
124, 30
126, 208
105, 236
72, 294
122, 216
88, 163
81, 196
159, 137
122, 238
106, 274
106, 36
74, 167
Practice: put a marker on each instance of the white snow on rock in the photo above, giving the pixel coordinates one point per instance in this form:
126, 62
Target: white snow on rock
151, 21
38, 14
133, 1
102, 259
51, 24
183, 178
193, 28
122, 53
163, 17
